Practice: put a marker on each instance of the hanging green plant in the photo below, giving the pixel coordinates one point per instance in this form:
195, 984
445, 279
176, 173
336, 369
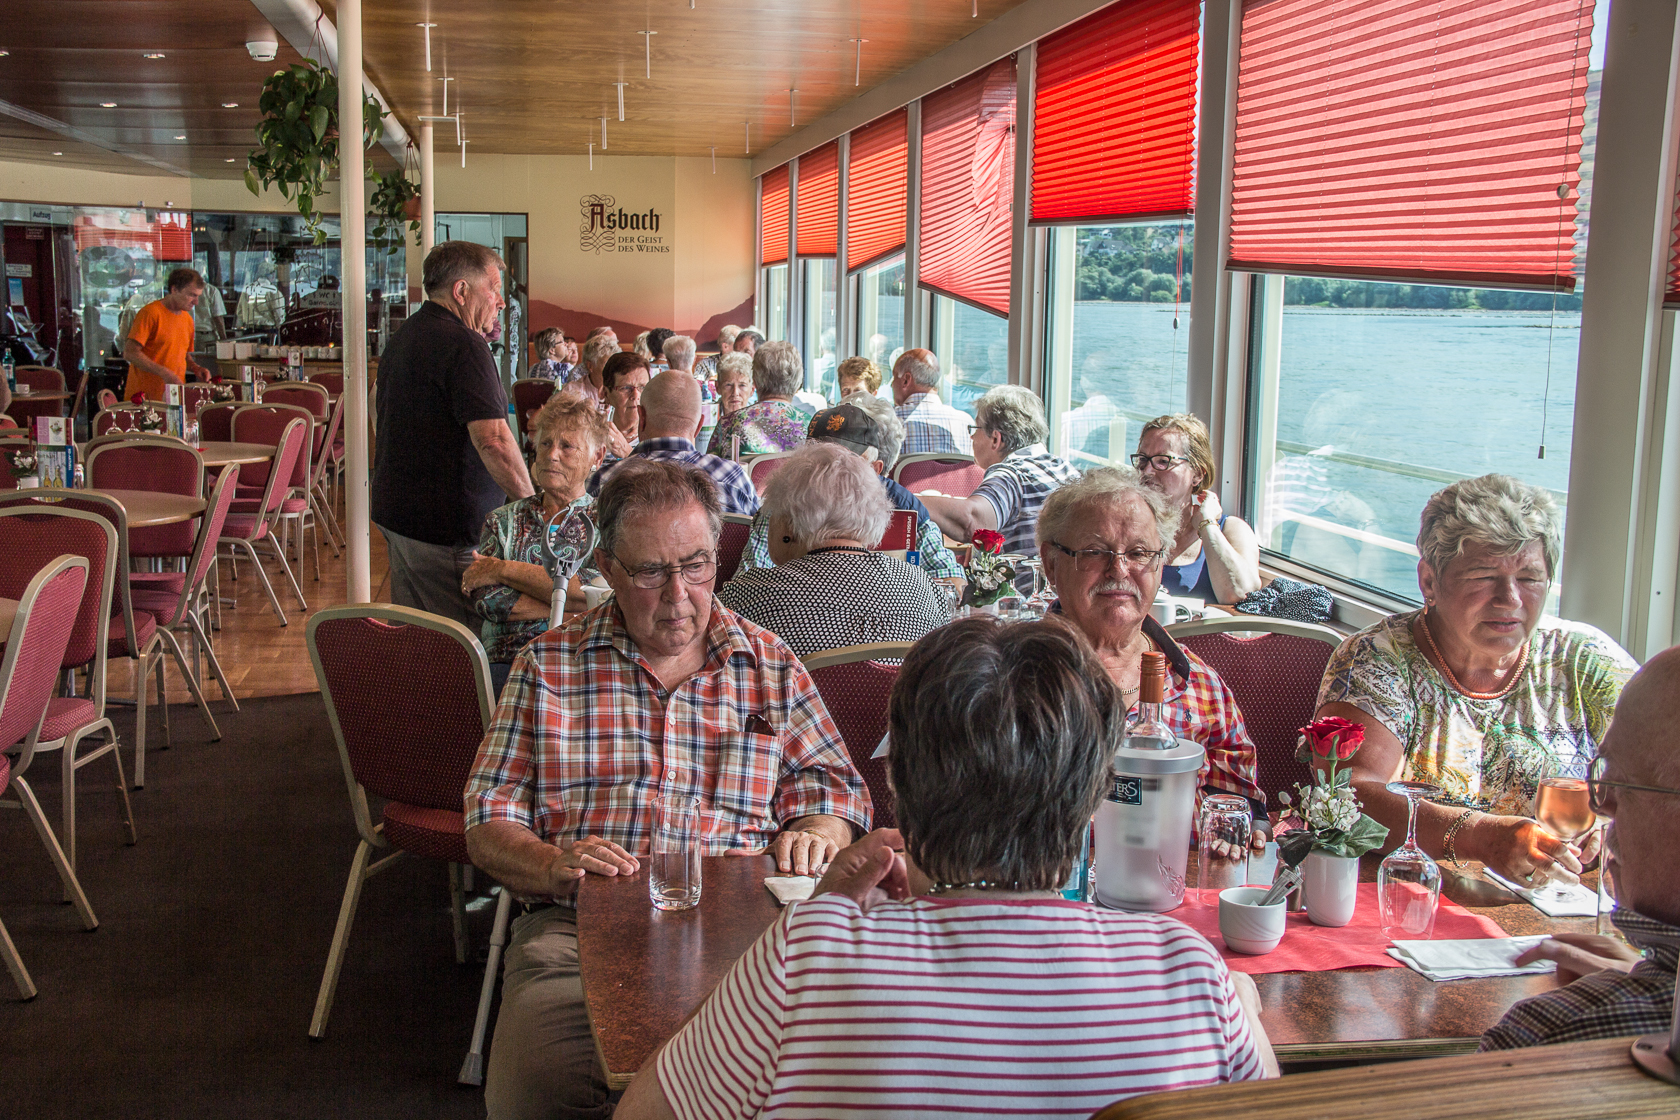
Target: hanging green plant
394, 199
298, 135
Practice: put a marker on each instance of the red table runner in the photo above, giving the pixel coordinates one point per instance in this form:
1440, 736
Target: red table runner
1309, 948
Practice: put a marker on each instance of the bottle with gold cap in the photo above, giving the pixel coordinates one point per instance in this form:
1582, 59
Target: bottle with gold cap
1150, 731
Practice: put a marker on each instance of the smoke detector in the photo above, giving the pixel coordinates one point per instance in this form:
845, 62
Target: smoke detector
263, 50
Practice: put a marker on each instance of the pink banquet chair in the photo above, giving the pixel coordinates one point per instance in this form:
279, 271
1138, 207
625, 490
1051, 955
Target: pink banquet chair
854, 682
732, 543
161, 465
296, 511
328, 415
955, 475
215, 421
35, 645
761, 467
408, 739
253, 520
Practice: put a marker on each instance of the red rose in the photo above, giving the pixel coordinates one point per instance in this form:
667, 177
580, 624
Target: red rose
1333, 737
988, 540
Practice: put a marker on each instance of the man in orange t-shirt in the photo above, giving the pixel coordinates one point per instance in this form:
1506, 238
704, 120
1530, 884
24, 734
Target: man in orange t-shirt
160, 341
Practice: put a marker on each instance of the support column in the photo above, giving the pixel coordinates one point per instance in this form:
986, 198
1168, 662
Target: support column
353, 241
428, 192
1210, 284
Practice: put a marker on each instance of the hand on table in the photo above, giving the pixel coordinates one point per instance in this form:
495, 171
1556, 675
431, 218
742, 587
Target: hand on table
482, 572
592, 854
1582, 954
797, 853
869, 871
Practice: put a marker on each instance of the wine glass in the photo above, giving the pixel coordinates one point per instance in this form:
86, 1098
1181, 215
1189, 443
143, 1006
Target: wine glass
1563, 807
1409, 882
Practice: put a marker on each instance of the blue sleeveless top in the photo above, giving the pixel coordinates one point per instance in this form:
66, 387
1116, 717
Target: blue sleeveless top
1192, 580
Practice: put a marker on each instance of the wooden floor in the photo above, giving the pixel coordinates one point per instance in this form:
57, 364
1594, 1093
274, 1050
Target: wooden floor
261, 657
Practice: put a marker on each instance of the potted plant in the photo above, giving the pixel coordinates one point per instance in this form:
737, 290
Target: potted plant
20, 461
299, 136
1332, 830
395, 199
989, 575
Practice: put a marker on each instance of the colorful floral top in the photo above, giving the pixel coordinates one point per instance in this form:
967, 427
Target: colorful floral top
763, 427
1490, 754
514, 532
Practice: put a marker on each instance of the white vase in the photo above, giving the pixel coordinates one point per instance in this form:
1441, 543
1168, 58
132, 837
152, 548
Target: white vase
28, 482
1330, 888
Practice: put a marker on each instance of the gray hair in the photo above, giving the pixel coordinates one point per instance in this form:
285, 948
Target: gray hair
777, 370
450, 261
679, 352
824, 492
735, 362
1494, 510
924, 371
597, 350
892, 428
726, 335
1013, 412
640, 487
547, 339
1108, 486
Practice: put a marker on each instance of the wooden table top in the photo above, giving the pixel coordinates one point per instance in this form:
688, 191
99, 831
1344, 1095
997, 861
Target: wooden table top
41, 395
146, 508
221, 453
644, 971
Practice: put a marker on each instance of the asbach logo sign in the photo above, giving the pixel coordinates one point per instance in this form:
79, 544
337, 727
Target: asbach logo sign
606, 227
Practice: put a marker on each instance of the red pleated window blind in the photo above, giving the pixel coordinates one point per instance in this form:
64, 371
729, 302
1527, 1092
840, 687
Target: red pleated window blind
877, 189
1114, 119
968, 185
1671, 297
818, 212
1432, 140
773, 217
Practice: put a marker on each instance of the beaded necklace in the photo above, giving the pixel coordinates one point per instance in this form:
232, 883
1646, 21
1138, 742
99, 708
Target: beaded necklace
1510, 683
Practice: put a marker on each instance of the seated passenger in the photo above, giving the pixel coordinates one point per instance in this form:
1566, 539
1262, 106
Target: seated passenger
554, 362
1009, 433
506, 582
826, 512
1612, 991
679, 354
930, 425
1477, 692
734, 385
706, 369
1103, 539
561, 785
1215, 557
951, 977
670, 416
857, 375
623, 378
775, 423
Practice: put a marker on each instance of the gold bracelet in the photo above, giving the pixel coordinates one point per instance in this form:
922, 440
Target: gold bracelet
1203, 524
1452, 830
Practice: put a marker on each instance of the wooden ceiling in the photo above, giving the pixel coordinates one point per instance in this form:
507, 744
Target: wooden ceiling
533, 76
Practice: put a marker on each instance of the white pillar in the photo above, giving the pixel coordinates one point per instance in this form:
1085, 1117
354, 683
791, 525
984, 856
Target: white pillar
1210, 284
353, 242
428, 193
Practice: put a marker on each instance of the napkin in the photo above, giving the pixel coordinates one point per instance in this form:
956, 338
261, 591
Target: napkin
1577, 901
1464, 960
790, 888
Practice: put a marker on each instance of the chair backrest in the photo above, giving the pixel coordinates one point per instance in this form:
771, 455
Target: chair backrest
30, 537
118, 418
204, 548
107, 399
195, 395
330, 380
409, 735
529, 395
854, 685
35, 648
48, 379
263, 423
215, 421
761, 467
325, 436
956, 475
167, 466
301, 393
1273, 667
732, 542
901, 532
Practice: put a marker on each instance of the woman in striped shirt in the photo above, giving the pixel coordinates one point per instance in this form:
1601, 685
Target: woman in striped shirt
951, 978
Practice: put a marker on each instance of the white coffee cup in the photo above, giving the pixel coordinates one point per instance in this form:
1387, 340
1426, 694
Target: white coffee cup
1249, 928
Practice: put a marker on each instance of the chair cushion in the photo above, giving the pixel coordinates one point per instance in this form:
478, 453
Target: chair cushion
294, 505
246, 505
248, 491
160, 604
169, 582
66, 713
145, 625
438, 833
244, 526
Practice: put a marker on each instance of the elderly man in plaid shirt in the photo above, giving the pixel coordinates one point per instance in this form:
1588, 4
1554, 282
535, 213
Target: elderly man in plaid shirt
658, 691
670, 419
1611, 990
930, 425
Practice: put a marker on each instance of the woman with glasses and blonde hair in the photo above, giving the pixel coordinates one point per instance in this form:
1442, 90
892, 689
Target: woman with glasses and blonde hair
1214, 556
1103, 539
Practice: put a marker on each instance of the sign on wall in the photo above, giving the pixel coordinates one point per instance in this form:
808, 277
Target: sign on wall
606, 227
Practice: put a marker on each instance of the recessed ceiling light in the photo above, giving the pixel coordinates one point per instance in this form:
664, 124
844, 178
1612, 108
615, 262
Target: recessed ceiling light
3, 54
58, 153
228, 160
107, 104
183, 136
152, 54
230, 104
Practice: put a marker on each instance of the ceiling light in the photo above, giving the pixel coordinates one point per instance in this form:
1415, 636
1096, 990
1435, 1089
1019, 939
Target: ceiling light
152, 54
3, 54
183, 136
58, 153
230, 104
107, 104
228, 160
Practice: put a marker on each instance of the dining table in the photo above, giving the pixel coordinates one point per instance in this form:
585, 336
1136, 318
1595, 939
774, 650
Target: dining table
223, 453
644, 971
148, 508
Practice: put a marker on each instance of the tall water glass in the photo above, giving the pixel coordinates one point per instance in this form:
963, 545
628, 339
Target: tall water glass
1409, 882
674, 865
1223, 832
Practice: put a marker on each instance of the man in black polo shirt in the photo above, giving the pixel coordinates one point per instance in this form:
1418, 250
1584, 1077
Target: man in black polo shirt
446, 456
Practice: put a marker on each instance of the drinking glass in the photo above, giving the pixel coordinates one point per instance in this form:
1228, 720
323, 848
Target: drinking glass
674, 863
1562, 805
1223, 832
1409, 882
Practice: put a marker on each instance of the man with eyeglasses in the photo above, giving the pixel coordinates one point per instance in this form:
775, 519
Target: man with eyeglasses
1613, 991
658, 691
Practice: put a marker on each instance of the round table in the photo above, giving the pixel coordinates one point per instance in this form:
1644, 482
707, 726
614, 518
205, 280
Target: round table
146, 508
41, 395
222, 453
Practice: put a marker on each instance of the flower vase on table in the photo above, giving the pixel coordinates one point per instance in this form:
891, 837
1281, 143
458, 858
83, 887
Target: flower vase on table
990, 576
21, 463
1332, 831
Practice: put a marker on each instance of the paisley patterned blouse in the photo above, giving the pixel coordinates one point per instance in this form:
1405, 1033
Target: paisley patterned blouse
1489, 754
763, 427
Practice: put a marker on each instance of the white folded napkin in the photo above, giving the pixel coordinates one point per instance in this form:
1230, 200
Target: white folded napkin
790, 888
1577, 901
1469, 959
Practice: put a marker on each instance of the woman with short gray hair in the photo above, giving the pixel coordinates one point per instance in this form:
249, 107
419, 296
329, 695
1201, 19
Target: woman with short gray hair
774, 423
706, 369
679, 353
1477, 692
827, 512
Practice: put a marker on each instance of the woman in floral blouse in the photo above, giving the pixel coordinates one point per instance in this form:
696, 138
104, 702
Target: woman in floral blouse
1477, 692
774, 423
507, 583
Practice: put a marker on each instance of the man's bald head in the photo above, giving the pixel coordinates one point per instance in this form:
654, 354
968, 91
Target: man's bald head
1642, 748
1646, 719
671, 406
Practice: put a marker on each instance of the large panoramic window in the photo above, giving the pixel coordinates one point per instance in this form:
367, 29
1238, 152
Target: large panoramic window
973, 351
775, 322
818, 325
879, 301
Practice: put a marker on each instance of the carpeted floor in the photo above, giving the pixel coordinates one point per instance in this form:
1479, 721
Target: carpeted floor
193, 997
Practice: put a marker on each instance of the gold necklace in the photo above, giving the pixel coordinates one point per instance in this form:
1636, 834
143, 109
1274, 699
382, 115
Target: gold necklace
1510, 683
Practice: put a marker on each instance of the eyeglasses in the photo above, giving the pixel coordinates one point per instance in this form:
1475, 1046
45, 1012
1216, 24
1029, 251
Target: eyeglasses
694, 571
1597, 784
1159, 462
1099, 559
974, 429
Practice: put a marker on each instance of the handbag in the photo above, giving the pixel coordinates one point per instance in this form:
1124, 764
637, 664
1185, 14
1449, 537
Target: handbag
1291, 599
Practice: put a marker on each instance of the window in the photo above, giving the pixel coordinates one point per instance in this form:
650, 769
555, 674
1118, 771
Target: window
776, 302
818, 289
1117, 351
880, 313
973, 351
